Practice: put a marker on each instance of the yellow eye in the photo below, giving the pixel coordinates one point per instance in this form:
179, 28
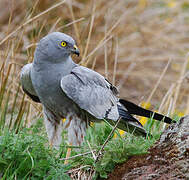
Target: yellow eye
63, 44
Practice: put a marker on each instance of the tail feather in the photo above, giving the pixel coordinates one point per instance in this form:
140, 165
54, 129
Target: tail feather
137, 110
129, 123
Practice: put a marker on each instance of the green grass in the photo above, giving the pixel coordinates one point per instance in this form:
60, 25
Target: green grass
117, 150
26, 154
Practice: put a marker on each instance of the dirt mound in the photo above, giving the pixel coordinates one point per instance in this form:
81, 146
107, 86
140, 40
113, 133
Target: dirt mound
168, 159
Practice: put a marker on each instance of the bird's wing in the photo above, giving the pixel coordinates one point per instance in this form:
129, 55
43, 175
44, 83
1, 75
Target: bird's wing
26, 82
91, 92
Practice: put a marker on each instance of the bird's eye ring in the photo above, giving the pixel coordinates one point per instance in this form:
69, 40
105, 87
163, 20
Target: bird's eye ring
63, 44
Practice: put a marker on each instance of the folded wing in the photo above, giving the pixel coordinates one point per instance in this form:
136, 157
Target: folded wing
26, 82
91, 92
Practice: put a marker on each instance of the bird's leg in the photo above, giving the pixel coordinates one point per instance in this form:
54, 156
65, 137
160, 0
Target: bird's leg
51, 143
76, 131
76, 128
68, 153
54, 133
53, 127
66, 125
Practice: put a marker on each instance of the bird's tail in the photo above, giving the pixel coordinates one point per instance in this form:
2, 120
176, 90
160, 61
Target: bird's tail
137, 110
129, 123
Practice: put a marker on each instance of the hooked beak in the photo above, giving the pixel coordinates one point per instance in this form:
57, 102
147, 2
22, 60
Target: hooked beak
75, 50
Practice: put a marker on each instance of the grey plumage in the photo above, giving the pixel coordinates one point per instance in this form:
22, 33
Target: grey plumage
91, 92
67, 90
27, 83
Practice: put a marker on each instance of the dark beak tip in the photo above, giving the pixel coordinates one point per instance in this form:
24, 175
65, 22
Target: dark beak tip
77, 53
75, 50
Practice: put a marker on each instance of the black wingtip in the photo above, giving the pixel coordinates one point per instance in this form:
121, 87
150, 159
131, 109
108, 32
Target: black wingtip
129, 123
34, 98
137, 110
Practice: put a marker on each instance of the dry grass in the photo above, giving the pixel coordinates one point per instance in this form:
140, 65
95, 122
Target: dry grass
141, 46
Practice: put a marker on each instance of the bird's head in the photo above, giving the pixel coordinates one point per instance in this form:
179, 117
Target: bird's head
56, 47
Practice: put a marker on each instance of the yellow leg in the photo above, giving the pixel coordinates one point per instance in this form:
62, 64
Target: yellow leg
52, 139
51, 144
68, 154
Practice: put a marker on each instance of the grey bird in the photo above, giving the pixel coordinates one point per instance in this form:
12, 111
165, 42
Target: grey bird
81, 95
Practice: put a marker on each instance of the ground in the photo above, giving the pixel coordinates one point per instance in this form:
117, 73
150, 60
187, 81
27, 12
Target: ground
168, 159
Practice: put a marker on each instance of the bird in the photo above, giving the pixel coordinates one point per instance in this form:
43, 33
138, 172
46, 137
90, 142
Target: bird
76, 93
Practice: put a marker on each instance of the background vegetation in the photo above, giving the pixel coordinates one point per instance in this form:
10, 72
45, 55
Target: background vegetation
139, 45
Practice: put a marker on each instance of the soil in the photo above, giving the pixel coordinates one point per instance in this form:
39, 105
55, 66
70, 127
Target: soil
168, 159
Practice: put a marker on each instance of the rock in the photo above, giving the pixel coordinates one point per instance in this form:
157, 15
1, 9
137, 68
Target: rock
167, 159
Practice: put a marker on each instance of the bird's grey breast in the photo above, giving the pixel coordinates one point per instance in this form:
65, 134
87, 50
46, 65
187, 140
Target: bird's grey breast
46, 80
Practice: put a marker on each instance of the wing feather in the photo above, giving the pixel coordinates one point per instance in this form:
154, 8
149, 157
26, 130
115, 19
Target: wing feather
91, 92
26, 83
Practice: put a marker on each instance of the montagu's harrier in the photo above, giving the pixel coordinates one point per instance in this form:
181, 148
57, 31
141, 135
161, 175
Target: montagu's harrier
68, 90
